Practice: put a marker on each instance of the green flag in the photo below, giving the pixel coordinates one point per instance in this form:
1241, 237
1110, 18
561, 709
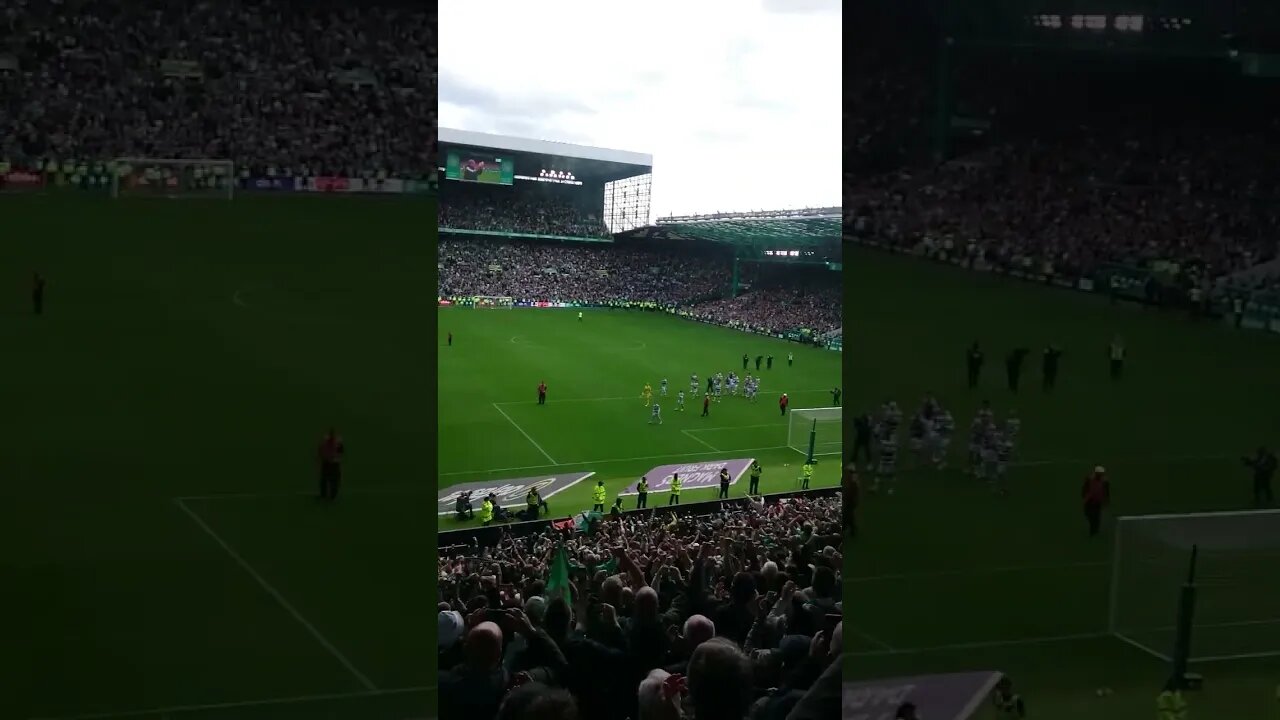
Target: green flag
558, 580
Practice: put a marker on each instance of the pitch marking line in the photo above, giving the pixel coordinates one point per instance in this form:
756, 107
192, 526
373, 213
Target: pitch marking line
632, 398
697, 439
926, 574
871, 638
988, 644
525, 434
372, 490
244, 703
610, 460
736, 427
244, 565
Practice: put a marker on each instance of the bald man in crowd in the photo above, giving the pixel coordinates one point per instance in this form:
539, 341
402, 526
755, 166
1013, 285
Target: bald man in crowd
474, 689
721, 684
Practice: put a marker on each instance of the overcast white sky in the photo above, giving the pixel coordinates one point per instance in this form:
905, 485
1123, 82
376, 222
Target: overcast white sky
738, 101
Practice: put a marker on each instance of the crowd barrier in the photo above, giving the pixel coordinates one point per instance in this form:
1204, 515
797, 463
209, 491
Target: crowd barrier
480, 536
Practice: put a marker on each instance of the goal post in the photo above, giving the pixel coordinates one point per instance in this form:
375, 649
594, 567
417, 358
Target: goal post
173, 178
493, 302
1236, 585
820, 426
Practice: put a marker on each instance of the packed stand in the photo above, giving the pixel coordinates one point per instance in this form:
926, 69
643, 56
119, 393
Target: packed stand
1070, 206
318, 88
780, 304
513, 213
1064, 187
725, 616
577, 272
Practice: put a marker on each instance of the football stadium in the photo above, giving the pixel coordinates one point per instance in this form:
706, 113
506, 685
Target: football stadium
180, 333
1081, 298
591, 360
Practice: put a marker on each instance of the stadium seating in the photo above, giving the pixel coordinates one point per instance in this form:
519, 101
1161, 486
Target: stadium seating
513, 213
1136, 180
317, 88
697, 285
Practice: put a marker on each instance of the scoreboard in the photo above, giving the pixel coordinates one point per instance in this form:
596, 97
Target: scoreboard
479, 166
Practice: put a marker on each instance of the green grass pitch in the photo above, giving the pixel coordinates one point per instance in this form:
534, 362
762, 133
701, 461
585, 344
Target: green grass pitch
200, 348
491, 427
947, 577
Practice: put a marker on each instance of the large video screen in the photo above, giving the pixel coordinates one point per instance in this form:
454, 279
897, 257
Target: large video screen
481, 167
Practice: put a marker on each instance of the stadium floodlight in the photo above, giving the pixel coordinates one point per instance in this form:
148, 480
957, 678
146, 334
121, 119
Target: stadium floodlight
493, 302
1235, 612
819, 428
173, 178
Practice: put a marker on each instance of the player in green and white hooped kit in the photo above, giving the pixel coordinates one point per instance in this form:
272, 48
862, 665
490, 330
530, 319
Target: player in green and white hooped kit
656, 416
662, 389
680, 401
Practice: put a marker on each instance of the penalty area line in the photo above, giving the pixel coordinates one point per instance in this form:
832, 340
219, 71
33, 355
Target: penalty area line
1044, 640
997, 570
697, 439
163, 711
610, 460
275, 594
628, 397
871, 638
526, 435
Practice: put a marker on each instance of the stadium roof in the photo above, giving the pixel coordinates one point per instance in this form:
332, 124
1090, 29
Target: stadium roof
582, 160
774, 228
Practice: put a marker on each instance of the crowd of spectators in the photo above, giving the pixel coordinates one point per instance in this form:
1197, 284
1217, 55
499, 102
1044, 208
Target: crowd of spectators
1072, 205
725, 616
513, 213
778, 308
1055, 186
697, 284
577, 272
319, 88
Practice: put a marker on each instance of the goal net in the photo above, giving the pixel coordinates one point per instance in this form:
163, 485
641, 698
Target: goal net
491, 302
151, 177
828, 437
1237, 585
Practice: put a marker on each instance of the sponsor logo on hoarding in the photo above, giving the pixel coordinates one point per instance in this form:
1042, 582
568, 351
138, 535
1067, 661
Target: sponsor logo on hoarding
937, 697
272, 183
693, 476
23, 179
511, 493
329, 184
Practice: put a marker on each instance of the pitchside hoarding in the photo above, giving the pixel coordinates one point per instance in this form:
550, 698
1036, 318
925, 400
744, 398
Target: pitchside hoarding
511, 493
693, 476
954, 696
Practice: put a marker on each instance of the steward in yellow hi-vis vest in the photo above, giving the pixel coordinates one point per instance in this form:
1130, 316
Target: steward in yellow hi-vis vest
675, 490
597, 497
806, 474
486, 512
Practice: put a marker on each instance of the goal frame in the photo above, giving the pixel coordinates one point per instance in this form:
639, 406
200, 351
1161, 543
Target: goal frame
1113, 599
802, 445
227, 193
